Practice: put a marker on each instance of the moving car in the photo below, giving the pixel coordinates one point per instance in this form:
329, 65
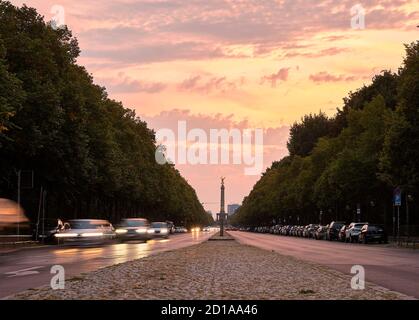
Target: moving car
46, 229
86, 231
181, 230
171, 227
372, 233
133, 229
159, 230
353, 231
334, 229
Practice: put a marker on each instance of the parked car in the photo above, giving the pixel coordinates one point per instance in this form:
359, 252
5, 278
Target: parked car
159, 230
372, 233
311, 230
342, 233
133, 229
86, 231
334, 229
353, 231
321, 233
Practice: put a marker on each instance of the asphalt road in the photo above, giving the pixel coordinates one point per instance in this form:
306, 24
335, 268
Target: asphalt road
30, 268
393, 268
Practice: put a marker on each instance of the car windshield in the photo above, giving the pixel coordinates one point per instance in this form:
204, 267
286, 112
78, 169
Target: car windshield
358, 226
159, 225
87, 224
134, 223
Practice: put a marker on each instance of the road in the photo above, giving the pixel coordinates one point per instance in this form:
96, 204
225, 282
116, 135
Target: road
30, 268
393, 268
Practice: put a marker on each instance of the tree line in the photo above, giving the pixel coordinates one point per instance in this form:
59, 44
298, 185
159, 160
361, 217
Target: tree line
346, 167
93, 157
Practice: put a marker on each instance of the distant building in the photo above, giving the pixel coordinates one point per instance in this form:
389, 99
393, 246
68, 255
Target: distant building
232, 208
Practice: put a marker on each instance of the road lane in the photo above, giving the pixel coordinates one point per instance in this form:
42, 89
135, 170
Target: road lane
30, 268
393, 268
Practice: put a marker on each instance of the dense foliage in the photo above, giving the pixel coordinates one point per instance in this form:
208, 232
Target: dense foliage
94, 157
352, 160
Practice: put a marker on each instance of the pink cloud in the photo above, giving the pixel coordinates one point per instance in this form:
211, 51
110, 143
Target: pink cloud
324, 76
281, 75
313, 54
124, 84
209, 84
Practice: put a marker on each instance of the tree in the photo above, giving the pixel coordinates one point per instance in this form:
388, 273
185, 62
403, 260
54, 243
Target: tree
304, 135
95, 157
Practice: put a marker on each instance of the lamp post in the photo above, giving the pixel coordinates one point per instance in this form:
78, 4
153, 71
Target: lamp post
409, 198
222, 208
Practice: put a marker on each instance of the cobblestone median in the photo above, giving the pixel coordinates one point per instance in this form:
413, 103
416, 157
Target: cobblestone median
213, 270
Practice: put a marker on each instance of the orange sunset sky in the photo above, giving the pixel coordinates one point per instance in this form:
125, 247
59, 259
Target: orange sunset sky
234, 64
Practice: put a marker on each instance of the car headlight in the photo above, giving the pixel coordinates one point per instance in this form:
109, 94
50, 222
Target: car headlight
149, 231
142, 231
65, 235
92, 234
164, 230
121, 231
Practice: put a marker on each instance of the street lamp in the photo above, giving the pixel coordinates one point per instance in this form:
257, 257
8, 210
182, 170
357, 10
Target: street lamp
409, 198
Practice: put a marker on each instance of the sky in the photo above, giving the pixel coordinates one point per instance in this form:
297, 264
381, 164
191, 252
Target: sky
233, 64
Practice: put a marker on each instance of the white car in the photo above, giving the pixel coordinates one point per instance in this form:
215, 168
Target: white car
181, 230
159, 230
133, 229
86, 231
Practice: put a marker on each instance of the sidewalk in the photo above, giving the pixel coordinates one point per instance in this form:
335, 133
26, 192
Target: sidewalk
213, 270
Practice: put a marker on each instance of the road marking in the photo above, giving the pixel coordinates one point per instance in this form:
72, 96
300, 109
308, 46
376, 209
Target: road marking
23, 272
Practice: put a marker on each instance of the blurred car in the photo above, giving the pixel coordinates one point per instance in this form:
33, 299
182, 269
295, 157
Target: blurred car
353, 231
181, 230
342, 233
133, 229
372, 233
171, 227
321, 233
159, 230
334, 229
86, 231
13, 219
46, 229
206, 229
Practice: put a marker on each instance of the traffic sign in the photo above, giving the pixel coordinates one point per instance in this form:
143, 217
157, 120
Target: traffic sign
397, 197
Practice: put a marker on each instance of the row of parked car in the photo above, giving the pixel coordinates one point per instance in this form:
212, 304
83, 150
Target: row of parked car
362, 232
94, 231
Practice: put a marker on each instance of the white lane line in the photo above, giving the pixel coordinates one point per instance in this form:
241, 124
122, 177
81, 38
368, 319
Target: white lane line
23, 272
